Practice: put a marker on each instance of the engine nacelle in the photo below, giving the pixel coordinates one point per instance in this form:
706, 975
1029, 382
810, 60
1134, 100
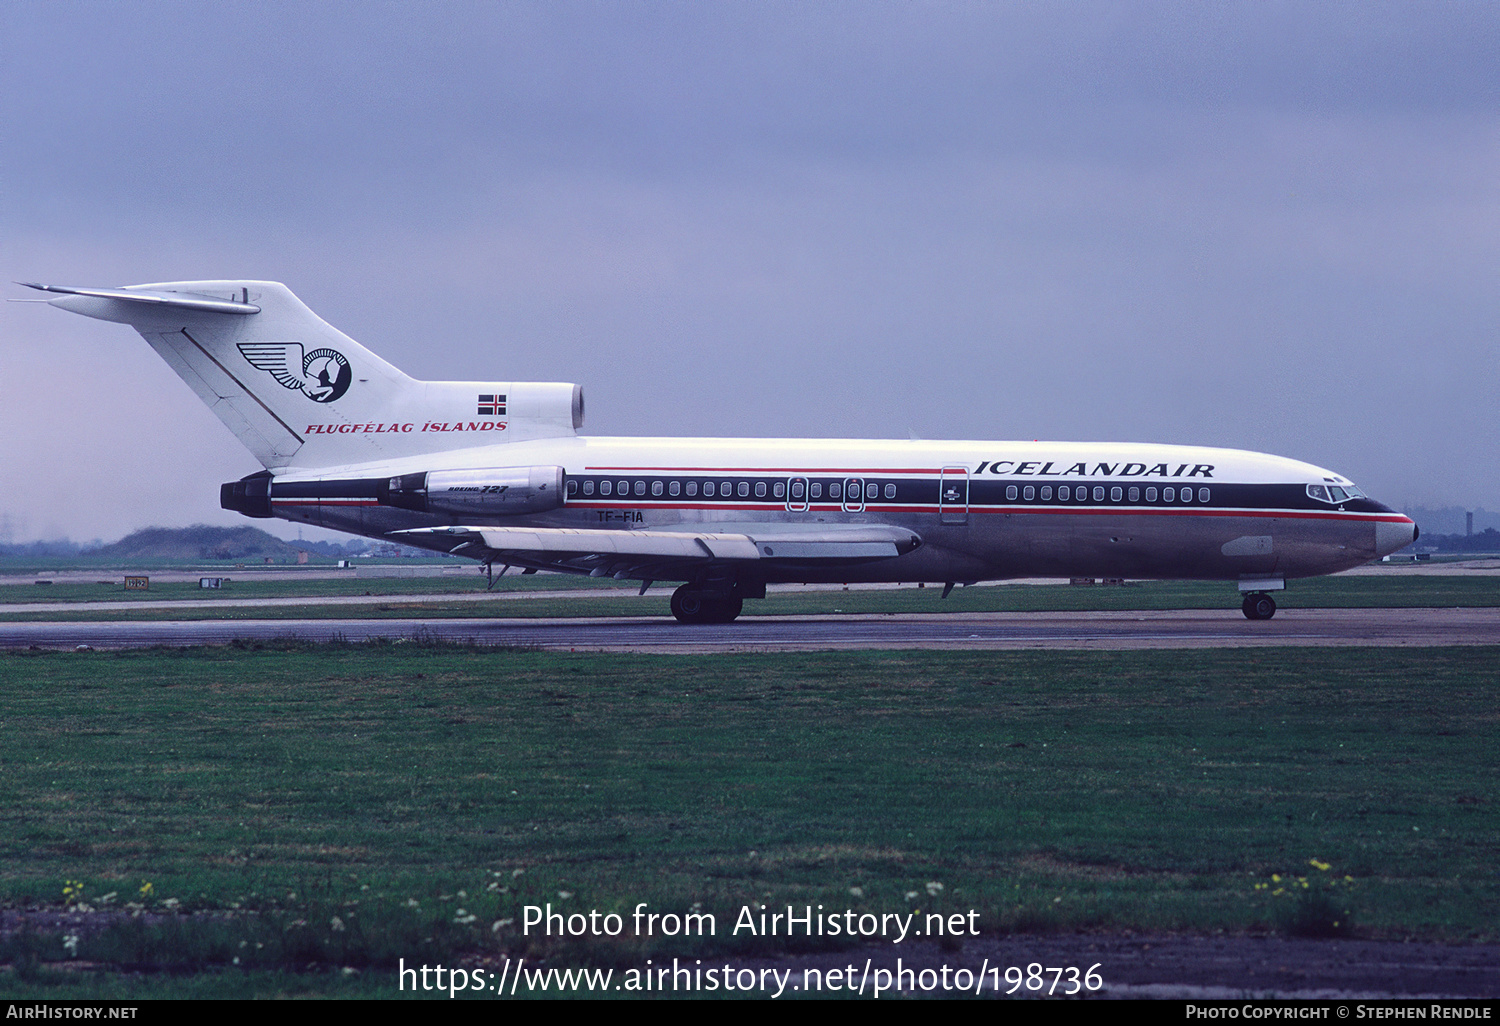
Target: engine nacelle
249, 495
497, 492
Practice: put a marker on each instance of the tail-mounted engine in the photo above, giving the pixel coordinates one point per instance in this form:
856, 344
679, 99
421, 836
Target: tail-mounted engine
501, 492
494, 492
250, 495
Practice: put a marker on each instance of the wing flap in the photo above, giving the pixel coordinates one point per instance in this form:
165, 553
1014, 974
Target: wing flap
766, 543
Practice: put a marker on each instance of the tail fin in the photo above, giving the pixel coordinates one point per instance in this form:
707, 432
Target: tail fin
299, 393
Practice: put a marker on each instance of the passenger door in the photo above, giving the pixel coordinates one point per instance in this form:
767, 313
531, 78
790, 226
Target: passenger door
953, 495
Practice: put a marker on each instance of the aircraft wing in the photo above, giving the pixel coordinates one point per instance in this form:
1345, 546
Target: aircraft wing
671, 554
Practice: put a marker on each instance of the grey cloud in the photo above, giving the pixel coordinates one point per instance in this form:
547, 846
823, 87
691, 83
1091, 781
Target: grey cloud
1266, 225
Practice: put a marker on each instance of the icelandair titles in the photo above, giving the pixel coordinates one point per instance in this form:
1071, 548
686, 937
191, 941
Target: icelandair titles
1036, 468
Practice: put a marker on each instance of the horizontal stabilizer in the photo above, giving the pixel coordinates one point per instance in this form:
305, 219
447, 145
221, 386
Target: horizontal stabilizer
182, 300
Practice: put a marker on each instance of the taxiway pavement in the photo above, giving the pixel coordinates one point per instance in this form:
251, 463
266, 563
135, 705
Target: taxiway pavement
1071, 630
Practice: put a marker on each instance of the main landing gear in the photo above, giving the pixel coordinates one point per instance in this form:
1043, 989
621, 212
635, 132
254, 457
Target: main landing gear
696, 605
1259, 606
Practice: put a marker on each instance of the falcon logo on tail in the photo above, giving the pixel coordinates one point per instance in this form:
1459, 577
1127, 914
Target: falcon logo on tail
323, 375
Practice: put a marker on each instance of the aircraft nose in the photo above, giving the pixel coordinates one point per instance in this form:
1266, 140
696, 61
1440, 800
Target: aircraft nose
1393, 535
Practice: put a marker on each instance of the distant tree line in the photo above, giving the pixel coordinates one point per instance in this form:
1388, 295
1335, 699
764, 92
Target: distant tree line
43, 549
197, 542
1487, 540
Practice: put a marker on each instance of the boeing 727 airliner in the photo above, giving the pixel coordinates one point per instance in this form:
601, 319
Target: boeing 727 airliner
496, 471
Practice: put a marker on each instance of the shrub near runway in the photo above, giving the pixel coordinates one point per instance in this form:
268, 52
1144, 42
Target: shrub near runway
421, 795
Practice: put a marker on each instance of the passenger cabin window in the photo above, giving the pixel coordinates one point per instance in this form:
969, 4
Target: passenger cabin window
1046, 493
708, 489
1098, 493
890, 491
1010, 493
1202, 494
760, 489
655, 487
692, 487
1116, 494
1169, 494
1187, 495
835, 490
572, 487
817, 489
745, 489
588, 488
1029, 493
640, 488
1064, 493
1135, 495
675, 488
778, 490
796, 489
1150, 494
854, 494
872, 490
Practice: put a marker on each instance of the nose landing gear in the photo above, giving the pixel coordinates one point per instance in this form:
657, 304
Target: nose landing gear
1258, 606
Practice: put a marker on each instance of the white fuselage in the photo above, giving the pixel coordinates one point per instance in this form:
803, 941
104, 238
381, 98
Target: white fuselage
984, 510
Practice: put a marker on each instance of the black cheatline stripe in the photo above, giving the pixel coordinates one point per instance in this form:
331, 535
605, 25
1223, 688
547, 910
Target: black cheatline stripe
347, 488
1275, 498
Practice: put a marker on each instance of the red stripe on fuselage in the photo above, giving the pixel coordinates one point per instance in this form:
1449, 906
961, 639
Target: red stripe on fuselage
325, 502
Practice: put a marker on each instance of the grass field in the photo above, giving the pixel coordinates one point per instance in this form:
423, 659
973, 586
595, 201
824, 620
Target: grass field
263, 794
445, 597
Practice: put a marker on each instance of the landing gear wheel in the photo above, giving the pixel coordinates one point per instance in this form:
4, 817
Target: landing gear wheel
1259, 606
692, 605
689, 605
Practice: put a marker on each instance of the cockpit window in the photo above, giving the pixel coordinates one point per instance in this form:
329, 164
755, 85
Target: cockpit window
1334, 493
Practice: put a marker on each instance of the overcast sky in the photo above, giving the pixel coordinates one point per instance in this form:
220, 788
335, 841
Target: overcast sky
1263, 225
